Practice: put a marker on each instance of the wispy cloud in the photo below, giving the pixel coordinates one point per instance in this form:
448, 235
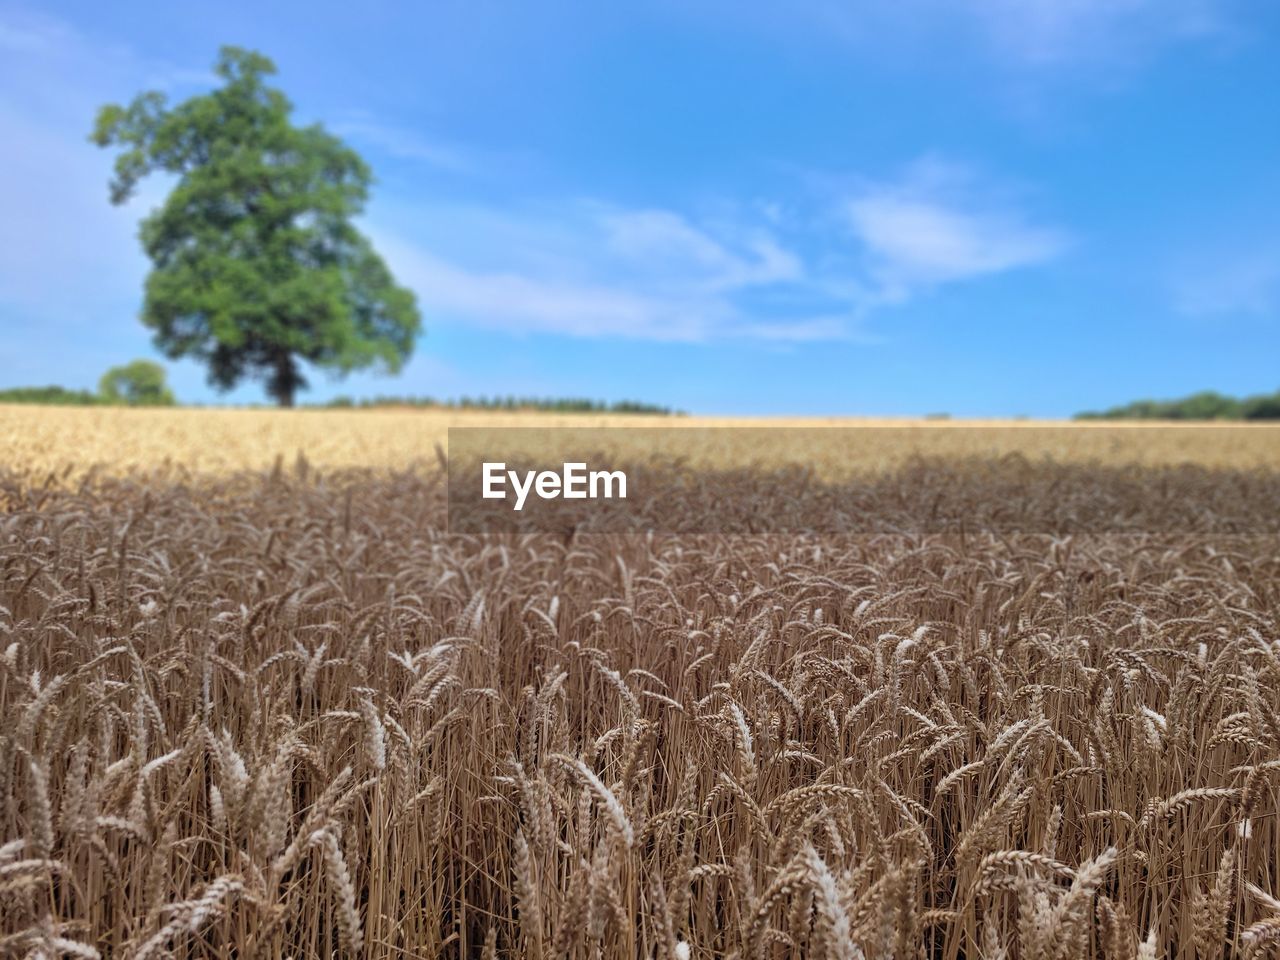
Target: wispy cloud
1018, 35
637, 274
590, 269
65, 252
661, 241
929, 229
25, 38
1246, 285
1056, 31
404, 144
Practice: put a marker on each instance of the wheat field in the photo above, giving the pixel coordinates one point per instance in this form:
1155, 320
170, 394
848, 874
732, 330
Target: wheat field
277, 710
186, 441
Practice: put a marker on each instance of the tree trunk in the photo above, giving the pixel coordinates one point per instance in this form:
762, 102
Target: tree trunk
284, 380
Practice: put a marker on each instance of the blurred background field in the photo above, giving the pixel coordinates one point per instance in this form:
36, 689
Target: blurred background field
113, 440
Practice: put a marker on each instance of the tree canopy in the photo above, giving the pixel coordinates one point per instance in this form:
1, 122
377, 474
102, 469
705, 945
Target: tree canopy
256, 263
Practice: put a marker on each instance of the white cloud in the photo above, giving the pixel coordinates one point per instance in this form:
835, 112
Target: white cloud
1246, 285
816, 268
925, 231
18, 38
404, 144
917, 241
666, 242
1089, 38
644, 275
1048, 31
516, 302
809, 330
59, 237
587, 269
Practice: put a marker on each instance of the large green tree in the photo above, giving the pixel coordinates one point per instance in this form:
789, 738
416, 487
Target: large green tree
257, 265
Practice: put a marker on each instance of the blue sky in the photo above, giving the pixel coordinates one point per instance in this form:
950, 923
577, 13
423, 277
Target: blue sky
986, 207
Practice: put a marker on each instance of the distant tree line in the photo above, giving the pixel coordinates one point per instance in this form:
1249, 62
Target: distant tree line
140, 383
52, 395
545, 404
1206, 405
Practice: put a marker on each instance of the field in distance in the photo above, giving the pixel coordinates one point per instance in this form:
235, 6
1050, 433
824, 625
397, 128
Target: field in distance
37, 439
